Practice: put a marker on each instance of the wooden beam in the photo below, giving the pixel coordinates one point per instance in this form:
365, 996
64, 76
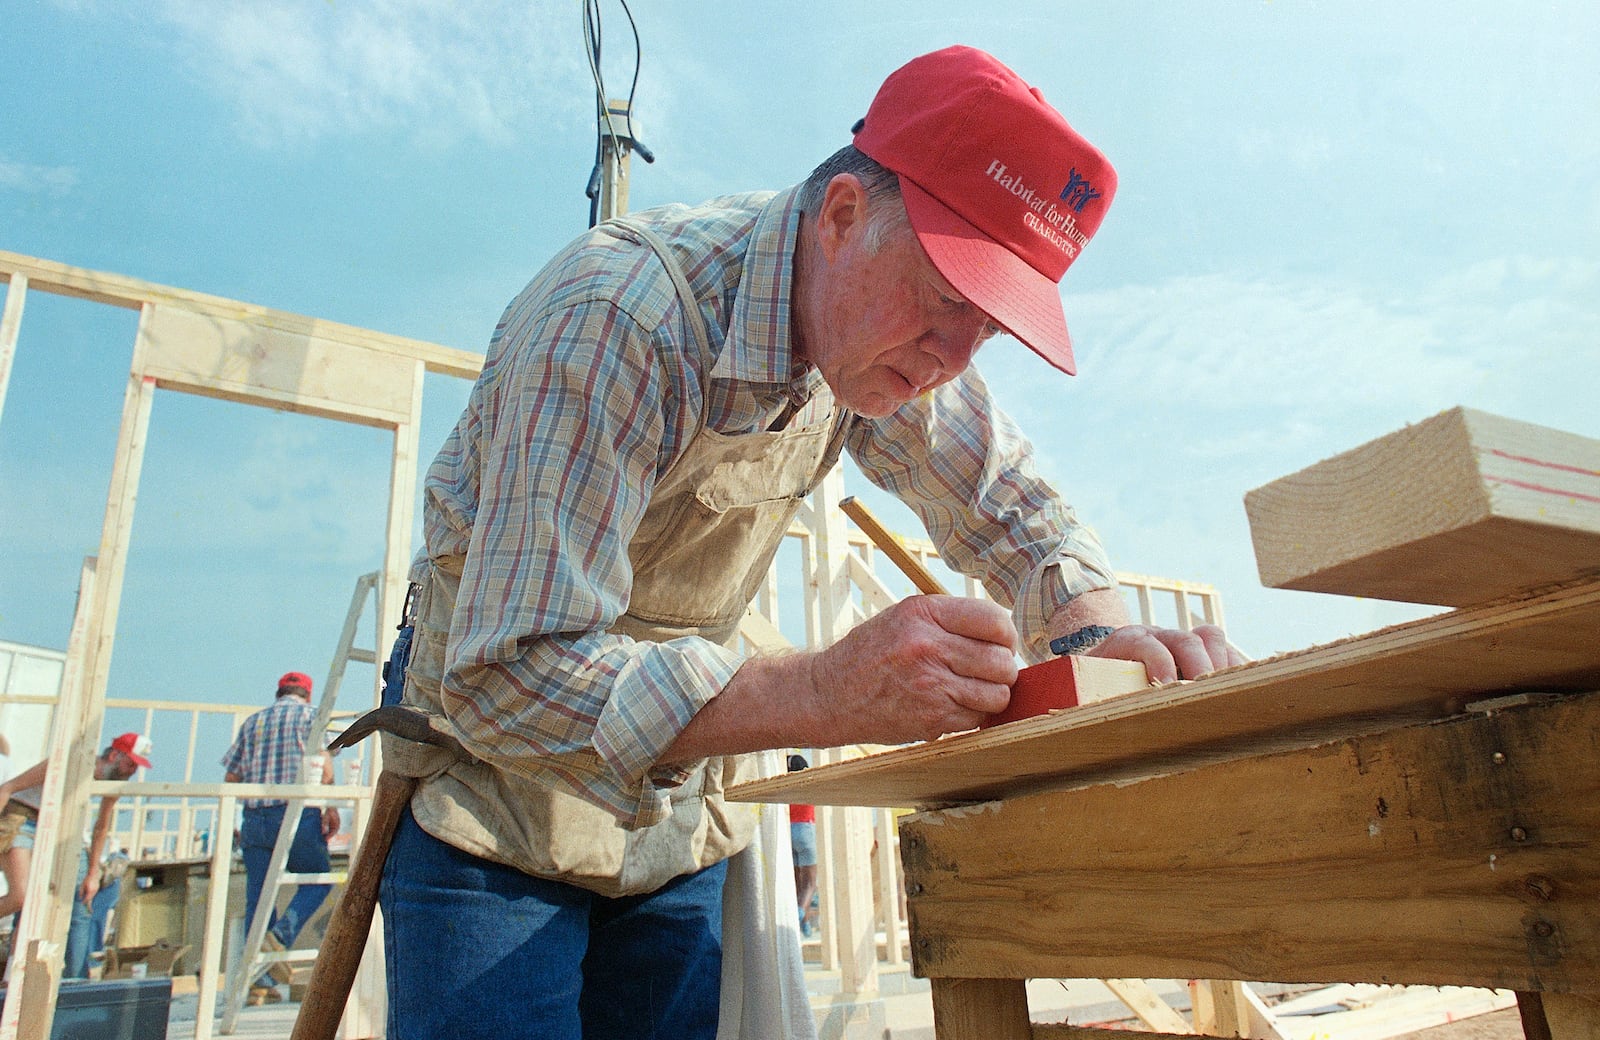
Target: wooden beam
1460, 852
122, 291
222, 789
10, 326
1463, 508
212, 959
980, 1009
35, 972
850, 829
241, 361
1147, 1006
1423, 669
1570, 1017
762, 634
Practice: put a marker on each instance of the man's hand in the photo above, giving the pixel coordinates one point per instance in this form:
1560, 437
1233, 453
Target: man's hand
90, 887
1171, 653
926, 666
330, 822
1168, 654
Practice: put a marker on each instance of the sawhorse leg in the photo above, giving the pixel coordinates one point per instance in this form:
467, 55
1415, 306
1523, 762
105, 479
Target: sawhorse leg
980, 1009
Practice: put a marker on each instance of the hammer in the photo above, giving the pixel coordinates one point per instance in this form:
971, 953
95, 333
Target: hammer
351, 921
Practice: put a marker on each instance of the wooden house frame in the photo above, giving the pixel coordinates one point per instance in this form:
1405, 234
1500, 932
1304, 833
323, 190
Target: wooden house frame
199, 344
194, 343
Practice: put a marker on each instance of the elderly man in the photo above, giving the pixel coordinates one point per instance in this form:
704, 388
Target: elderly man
653, 409
19, 816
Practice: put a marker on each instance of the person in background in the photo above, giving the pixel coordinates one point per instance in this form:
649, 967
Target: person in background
803, 840
270, 748
19, 817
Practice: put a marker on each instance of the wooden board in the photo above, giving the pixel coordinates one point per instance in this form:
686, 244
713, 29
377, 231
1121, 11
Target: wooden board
236, 360
1459, 852
117, 290
980, 1009
1463, 508
1420, 670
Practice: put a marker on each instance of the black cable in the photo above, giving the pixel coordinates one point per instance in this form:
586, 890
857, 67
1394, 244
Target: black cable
638, 59
591, 35
638, 55
604, 128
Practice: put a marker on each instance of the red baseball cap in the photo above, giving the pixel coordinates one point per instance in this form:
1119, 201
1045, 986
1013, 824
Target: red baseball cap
300, 679
1002, 193
135, 746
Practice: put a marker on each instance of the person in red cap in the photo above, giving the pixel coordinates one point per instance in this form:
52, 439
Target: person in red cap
270, 748
19, 815
653, 410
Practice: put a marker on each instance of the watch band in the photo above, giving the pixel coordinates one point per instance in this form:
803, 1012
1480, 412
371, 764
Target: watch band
1081, 641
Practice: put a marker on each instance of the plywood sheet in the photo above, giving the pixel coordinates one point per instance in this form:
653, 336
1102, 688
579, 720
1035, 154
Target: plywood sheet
1421, 670
1464, 508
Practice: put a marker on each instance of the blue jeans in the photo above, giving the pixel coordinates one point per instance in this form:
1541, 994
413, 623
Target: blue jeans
308, 855
480, 950
87, 932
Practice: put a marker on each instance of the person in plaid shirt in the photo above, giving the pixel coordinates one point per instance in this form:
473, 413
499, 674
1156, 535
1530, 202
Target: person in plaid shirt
652, 412
270, 748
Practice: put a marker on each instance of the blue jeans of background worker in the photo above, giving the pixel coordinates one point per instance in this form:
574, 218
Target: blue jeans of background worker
308, 855
506, 955
87, 931
86, 934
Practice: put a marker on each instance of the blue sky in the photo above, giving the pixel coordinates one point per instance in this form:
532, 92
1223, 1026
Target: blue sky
1333, 219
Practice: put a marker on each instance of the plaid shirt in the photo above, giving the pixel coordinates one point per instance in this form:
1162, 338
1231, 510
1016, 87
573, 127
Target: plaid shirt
590, 390
270, 747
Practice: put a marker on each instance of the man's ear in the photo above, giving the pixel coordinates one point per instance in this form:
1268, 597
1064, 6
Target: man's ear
843, 214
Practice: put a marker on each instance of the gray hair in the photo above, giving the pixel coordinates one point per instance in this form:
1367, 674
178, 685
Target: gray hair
886, 213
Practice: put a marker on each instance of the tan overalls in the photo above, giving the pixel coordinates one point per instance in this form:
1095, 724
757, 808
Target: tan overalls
701, 552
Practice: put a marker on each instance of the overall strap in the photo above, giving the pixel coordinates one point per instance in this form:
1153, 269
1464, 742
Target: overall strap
691, 307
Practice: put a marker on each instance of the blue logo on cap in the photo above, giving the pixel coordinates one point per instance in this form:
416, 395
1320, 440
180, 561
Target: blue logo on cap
1078, 193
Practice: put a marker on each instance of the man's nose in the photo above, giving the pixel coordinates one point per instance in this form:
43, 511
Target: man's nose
954, 342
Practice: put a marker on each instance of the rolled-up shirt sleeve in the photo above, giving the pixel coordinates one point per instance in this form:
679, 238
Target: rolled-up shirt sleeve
574, 427
968, 472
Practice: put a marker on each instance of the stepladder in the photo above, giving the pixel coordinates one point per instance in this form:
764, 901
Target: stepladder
255, 958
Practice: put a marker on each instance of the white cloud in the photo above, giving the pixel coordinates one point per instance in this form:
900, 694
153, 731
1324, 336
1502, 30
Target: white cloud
1241, 354
55, 181
298, 70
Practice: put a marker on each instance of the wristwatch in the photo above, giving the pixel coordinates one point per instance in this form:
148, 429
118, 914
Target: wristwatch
1081, 641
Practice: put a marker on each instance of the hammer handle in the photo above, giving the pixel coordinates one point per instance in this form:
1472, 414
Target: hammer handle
885, 539
351, 921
